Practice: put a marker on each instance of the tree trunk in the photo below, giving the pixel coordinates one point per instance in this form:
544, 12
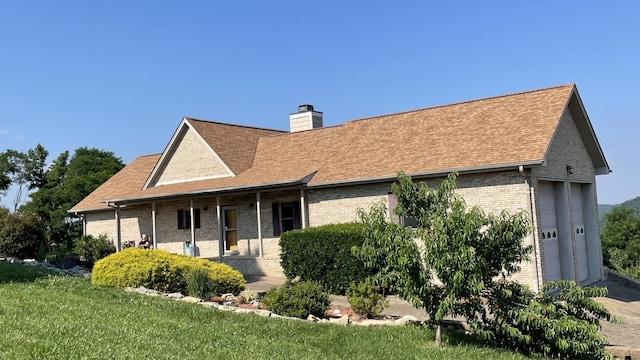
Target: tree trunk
438, 336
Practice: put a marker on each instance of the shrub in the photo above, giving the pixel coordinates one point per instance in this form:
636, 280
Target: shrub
162, 271
365, 299
323, 255
21, 234
200, 284
297, 299
564, 326
90, 249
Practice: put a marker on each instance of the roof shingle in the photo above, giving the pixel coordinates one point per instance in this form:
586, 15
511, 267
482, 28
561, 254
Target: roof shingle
509, 129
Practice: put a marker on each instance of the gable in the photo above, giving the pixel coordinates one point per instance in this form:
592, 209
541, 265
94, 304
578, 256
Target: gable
189, 159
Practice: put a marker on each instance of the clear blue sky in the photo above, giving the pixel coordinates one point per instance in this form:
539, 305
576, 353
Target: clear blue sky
120, 75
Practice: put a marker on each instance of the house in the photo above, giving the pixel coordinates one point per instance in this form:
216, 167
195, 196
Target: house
227, 192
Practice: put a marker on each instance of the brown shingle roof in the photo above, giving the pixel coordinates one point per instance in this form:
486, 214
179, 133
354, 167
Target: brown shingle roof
510, 129
236, 145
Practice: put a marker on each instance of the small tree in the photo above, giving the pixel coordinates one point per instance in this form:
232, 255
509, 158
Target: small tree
471, 256
465, 249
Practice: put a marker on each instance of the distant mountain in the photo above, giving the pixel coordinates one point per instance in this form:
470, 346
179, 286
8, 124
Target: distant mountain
605, 208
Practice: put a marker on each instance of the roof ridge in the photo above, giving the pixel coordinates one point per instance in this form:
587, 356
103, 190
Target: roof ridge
459, 103
234, 125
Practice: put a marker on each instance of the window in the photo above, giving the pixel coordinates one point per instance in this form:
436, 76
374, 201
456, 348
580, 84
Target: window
286, 216
402, 220
184, 219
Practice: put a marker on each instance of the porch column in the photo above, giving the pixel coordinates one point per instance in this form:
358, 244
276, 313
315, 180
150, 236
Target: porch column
153, 225
220, 225
258, 212
118, 229
303, 210
193, 227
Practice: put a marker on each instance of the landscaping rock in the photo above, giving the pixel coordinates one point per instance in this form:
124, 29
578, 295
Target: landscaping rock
265, 313
191, 299
175, 295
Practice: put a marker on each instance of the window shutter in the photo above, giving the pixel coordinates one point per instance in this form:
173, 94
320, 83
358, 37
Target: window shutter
275, 211
296, 215
196, 213
180, 219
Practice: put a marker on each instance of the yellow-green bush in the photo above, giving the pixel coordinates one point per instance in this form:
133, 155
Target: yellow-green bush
162, 271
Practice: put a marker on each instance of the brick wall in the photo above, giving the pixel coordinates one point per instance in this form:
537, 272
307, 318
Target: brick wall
567, 148
193, 159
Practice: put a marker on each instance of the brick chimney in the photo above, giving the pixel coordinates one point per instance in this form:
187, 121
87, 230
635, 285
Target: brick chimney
305, 119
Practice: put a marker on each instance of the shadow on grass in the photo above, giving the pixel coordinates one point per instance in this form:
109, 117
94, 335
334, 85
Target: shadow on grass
12, 273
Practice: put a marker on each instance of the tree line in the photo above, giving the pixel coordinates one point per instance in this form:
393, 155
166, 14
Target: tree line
45, 191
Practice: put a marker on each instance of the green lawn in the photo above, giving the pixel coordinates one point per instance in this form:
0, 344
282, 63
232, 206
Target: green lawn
55, 317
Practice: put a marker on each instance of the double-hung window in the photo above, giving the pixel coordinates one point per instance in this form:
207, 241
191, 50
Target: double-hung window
286, 216
184, 219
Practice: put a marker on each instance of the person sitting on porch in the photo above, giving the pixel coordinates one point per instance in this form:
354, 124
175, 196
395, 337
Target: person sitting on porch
144, 243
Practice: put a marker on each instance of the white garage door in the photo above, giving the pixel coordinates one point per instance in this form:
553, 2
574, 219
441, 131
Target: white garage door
549, 231
578, 231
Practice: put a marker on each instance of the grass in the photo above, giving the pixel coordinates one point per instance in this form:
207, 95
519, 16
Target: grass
43, 316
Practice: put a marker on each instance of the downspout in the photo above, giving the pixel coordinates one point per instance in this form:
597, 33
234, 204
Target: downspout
303, 210
534, 233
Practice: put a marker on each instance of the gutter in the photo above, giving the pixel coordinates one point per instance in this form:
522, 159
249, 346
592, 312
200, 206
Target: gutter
250, 188
435, 173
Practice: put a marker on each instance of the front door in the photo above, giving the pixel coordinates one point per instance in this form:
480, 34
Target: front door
230, 230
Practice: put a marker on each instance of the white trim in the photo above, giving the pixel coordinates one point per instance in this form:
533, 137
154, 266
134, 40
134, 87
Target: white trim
179, 134
224, 232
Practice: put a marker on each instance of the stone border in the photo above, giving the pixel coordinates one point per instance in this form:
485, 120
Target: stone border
342, 320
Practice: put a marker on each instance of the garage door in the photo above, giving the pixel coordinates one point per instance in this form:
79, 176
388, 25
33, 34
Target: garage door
578, 231
549, 231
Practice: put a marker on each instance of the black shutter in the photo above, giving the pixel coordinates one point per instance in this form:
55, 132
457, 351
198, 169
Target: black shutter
180, 219
196, 213
297, 224
275, 211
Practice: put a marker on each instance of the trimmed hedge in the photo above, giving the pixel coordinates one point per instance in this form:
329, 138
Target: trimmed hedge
162, 271
323, 255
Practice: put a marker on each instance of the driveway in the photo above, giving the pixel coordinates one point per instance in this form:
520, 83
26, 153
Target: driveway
622, 300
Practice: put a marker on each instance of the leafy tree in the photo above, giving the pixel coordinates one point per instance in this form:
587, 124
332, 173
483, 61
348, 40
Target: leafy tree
7, 169
465, 249
458, 263
64, 184
621, 233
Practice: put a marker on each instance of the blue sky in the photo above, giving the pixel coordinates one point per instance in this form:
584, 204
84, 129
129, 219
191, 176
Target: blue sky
120, 75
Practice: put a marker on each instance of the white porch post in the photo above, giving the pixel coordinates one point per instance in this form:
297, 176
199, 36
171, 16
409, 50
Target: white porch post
193, 227
153, 225
258, 212
303, 210
118, 229
220, 225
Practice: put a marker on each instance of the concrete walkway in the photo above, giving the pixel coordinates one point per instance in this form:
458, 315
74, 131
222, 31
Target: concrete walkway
623, 300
